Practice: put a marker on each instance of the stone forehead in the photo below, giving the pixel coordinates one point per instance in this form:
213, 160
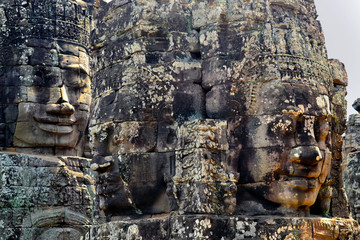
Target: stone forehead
277, 97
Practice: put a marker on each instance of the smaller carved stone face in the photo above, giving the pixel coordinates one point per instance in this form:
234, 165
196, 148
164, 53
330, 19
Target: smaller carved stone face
57, 107
113, 192
286, 150
127, 182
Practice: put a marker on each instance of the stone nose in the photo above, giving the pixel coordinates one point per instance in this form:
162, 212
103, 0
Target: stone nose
101, 163
306, 155
63, 106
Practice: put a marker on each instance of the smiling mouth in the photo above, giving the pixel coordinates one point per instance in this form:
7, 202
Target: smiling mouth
301, 182
55, 125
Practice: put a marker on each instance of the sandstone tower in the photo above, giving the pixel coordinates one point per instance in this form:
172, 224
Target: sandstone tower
210, 119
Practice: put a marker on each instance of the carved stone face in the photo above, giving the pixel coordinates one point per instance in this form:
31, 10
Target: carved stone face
286, 150
58, 98
131, 182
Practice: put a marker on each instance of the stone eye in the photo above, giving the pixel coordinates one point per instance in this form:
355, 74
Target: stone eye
288, 127
322, 130
284, 126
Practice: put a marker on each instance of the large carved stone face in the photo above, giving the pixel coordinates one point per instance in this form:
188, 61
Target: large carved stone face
286, 145
58, 98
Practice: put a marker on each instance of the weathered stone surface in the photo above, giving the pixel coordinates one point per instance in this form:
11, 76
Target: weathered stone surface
204, 181
209, 120
45, 197
351, 148
228, 227
338, 71
352, 183
258, 70
352, 137
356, 105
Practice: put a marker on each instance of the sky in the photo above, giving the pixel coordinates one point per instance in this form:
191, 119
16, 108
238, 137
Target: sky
340, 21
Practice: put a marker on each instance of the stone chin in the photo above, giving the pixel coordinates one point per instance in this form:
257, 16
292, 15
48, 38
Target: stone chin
292, 192
115, 202
32, 134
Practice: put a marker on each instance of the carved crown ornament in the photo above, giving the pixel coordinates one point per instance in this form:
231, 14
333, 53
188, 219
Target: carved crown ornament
62, 20
267, 67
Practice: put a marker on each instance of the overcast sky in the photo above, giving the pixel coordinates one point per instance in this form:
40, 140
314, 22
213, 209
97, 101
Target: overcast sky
340, 21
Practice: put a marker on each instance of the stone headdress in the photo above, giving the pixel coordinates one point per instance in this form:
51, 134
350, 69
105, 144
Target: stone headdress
65, 20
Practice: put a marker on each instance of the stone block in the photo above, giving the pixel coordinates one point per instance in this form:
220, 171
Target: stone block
189, 102
155, 228
214, 72
11, 113
132, 137
43, 43
107, 79
186, 42
12, 176
16, 75
15, 217
42, 95
20, 160
129, 104
103, 110
208, 134
157, 44
69, 49
187, 71
16, 196
194, 226
207, 12
13, 56
167, 138
339, 93
46, 76
356, 105
13, 95
211, 40
200, 165
218, 102
144, 177
204, 197
338, 72
43, 56
113, 20
125, 137
44, 176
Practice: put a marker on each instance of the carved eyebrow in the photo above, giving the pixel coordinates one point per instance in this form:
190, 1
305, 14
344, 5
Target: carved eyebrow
77, 67
292, 112
326, 116
301, 113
